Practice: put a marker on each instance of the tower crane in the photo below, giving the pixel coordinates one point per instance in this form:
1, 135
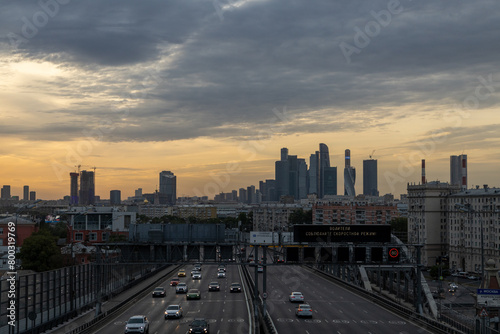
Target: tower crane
371, 155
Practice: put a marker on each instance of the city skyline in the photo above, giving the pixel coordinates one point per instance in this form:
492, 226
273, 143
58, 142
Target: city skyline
213, 90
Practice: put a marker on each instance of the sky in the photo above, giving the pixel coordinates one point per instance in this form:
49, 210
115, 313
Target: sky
213, 89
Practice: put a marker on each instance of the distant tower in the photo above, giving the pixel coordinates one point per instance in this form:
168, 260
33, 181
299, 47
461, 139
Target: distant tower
115, 197
5, 192
87, 188
370, 183
349, 175
32, 195
138, 192
324, 162
423, 172
26, 193
330, 181
313, 174
74, 188
458, 170
284, 154
168, 186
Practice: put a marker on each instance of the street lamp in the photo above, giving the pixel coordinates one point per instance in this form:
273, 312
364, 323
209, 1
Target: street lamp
467, 208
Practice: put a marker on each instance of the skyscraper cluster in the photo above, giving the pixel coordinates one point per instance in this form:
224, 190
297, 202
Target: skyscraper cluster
295, 179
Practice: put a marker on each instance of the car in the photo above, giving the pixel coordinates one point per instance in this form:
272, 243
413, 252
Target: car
181, 288
296, 297
199, 326
159, 292
214, 286
137, 324
197, 266
235, 287
193, 294
437, 294
173, 311
181, 273
221, 274
196, 275
453, 286
452, 290
304, 310
472, 277
174, 281
260, 269
221, 267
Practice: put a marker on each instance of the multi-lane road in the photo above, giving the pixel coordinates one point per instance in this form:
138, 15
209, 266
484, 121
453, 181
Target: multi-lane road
335, 310
225, 312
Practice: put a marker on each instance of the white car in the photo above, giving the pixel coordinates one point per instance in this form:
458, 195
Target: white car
181, 288
304, 310
137, 324
453, 286
196, 275
221, 274
173, 311
296, 297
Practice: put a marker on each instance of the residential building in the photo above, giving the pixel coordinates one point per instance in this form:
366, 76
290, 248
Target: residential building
115, 197
428, 218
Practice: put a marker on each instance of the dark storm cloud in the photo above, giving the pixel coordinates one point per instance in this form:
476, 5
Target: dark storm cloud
223, 73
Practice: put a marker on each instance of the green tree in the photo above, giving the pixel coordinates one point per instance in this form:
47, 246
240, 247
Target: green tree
300, 217
40, 252
399, 227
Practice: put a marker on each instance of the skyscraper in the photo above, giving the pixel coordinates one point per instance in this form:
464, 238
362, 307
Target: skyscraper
168, 187
26, 193
5, 193
32, 195
313, 174
458, 170
115, 197
324, 162
330, 180
74, 188
370, 182
87, 188
349, 175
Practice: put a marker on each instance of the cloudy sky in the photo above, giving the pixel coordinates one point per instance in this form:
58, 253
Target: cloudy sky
212, 89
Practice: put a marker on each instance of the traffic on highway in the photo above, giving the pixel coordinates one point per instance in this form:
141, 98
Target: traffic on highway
298, 301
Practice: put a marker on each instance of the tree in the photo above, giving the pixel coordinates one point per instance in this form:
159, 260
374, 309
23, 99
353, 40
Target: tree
300, 217
399, 228
40, 252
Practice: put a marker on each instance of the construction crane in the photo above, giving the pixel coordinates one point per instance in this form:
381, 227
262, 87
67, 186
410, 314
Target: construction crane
371, 155
79, 167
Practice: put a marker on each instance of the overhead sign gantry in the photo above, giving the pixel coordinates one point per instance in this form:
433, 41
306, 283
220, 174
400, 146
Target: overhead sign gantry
342, 233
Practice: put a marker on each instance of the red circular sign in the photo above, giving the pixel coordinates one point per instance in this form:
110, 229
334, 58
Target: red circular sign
393, 252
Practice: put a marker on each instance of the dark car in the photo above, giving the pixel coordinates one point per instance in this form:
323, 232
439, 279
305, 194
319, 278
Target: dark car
235, 287
214, 286
159, 292
199, 326
174, 281
193, 294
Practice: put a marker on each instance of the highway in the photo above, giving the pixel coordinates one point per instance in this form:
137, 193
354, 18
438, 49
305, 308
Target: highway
335, 310
226, 312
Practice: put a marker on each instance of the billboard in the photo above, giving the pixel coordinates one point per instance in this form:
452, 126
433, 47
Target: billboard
342, 233
270, 238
